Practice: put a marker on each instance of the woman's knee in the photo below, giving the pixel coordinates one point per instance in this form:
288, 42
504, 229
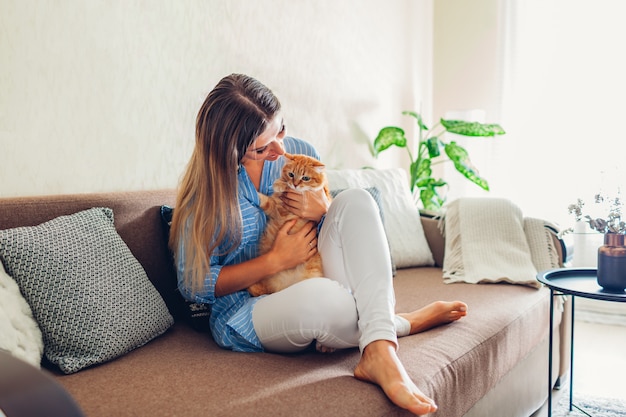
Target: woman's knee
359, 195
356, 200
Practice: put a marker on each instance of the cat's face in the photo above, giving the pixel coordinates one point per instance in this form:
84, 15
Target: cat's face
302, 173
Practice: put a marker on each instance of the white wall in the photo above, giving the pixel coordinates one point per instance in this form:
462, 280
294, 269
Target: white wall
469, 56
102, 95
468, 60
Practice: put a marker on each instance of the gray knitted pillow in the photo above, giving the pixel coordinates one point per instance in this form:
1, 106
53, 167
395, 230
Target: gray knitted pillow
90, 296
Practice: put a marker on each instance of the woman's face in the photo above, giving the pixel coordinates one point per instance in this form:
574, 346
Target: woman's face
268, 146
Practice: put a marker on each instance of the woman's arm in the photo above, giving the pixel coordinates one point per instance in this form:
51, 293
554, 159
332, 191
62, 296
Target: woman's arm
288, 251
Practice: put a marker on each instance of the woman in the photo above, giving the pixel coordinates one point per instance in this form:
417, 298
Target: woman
217, 224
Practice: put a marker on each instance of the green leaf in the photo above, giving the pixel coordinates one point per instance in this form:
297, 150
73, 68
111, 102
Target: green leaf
389, 136
430, 199
417, 170
433, 144
427, 182
461, 127
427, 199
413, 175
423, 170
421, 177
418, 118
459, 156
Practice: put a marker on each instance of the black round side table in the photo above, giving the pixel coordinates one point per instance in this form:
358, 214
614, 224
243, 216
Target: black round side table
577, 282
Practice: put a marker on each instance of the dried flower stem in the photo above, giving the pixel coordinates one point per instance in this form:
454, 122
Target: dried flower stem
612, 223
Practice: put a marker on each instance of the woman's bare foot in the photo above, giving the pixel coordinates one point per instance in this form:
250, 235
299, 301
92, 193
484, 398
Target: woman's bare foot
435, 314
380, 365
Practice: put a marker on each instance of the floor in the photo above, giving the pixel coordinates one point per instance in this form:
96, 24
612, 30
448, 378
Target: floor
599, 359
600, 339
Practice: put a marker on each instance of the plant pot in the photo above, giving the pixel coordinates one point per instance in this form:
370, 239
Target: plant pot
612, 263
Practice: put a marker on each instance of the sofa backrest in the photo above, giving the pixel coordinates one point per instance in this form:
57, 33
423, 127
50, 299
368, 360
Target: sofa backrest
137, 219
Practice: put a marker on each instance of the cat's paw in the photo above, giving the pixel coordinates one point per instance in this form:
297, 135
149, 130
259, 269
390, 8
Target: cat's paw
263, 200
323, 349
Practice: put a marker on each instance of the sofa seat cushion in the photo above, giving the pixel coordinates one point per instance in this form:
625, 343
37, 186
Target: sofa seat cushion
459, 363
456, 364
185, 373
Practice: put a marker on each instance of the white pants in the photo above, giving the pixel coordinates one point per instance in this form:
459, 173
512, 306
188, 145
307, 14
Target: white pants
355, 305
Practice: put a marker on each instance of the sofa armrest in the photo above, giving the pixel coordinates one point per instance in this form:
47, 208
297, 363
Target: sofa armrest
28, 391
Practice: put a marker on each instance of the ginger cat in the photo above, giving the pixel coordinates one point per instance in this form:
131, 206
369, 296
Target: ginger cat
300, 173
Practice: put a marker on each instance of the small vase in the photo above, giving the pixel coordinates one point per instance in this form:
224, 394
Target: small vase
612, 263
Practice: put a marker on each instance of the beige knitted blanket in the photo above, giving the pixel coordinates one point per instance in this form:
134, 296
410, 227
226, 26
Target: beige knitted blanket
489, 240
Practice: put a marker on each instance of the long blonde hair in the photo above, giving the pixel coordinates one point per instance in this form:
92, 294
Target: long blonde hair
207, 211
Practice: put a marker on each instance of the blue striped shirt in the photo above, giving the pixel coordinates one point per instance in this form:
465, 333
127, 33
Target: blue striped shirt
231, 315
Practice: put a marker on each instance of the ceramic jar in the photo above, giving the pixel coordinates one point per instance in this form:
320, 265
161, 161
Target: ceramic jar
612, 263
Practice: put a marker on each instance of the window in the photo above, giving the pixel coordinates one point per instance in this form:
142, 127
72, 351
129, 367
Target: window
563, 102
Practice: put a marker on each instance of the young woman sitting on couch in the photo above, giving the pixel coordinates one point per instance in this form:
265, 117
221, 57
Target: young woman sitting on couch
217, 224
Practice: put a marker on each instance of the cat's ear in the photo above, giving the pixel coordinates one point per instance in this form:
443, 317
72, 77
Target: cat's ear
318, 165
288, 156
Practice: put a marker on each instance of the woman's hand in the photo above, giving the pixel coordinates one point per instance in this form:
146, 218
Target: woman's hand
290, 249
309, 205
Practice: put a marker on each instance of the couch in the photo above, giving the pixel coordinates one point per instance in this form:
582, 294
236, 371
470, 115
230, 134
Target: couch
491, 363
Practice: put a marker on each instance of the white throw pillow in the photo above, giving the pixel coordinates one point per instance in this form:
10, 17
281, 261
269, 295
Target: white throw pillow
403, 225
20, 334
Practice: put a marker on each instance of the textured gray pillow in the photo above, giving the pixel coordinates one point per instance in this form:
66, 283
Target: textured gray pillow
90, 296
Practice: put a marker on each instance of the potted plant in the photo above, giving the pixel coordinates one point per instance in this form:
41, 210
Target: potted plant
429, 149
612, 206
611, 274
